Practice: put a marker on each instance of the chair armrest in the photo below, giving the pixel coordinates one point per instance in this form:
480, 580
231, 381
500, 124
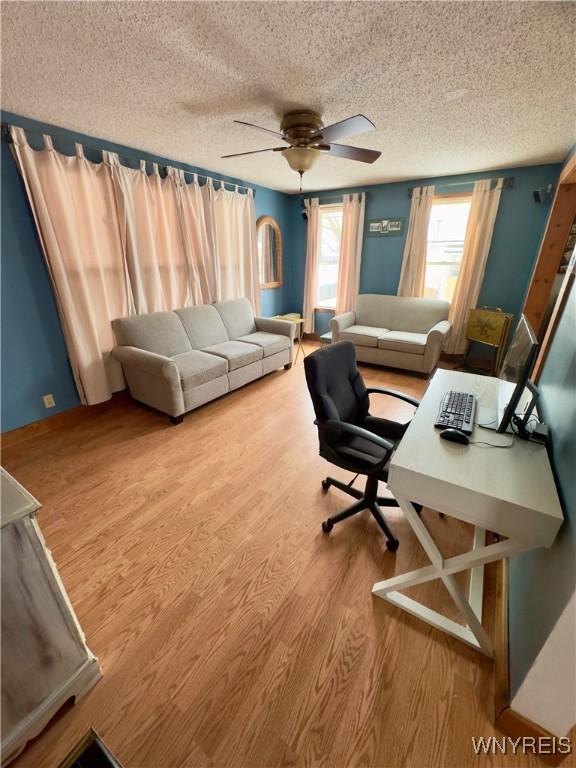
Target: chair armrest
150, 362
340, 322
276, 325
394, 393
358, 431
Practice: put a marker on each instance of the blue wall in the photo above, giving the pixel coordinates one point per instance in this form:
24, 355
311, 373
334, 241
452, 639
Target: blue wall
541, 582
517, 234
33, 359
33, 355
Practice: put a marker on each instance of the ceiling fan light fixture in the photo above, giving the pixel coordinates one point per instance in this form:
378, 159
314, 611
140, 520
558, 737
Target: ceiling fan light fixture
301, 159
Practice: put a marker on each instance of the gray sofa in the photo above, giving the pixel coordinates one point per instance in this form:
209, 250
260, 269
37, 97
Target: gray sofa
177, 361
396, 331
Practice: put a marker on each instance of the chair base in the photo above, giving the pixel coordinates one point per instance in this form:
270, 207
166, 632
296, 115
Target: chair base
368, 499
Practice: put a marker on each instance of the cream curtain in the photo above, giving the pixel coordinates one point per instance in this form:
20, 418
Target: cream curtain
350, 252
196, 221
477, 242
169, 256
235, 246
311, 274
118, 242
85, 259
414, 261
161, 276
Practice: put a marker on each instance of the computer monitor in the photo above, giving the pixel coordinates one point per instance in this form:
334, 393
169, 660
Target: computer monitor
514, 378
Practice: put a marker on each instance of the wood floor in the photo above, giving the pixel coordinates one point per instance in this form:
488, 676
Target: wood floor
231, 631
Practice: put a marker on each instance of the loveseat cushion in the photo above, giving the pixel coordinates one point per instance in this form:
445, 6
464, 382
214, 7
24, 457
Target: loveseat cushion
364, 335
237, 353
238, 317
271, 343
203, 324
158, 332
196, 367
404, 341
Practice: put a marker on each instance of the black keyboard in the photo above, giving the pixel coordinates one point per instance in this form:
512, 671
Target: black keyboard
457, 411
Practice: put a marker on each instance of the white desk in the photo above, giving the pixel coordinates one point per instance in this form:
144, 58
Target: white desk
508, 491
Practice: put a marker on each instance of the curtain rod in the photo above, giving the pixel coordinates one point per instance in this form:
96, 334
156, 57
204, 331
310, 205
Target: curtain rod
337, 197
8, 138
508, 182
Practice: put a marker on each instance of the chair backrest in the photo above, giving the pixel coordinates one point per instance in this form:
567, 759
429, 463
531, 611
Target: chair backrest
400, 313
335, 384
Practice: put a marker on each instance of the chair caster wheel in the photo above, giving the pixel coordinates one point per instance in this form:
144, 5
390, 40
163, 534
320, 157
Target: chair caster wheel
392, 545
325, 485
327, 526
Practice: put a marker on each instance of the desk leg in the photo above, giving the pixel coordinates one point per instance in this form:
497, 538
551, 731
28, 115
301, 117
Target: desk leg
470, 606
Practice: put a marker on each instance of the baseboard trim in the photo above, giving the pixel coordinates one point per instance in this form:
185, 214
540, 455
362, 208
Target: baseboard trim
515, 725
65, 418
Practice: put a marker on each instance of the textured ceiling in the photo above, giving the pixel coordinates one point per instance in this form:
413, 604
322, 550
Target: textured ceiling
451, 87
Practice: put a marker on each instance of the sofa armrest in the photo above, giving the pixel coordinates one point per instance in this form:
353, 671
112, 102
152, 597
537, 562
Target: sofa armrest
438, 335
437, 338
340, 323
149, 362
276, 325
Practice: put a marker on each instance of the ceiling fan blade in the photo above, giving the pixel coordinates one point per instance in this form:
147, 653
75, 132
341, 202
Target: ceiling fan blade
354, 153
259, 128
345, 128
253, 152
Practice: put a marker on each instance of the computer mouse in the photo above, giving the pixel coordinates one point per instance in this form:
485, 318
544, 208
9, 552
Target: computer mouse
454, 436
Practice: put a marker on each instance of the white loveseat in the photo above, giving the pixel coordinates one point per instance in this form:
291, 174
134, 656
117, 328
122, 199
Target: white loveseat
396, 331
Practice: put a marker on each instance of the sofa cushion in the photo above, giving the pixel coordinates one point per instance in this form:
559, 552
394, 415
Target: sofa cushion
404, 341
238, 317
158, 332
237, 353
375, 310
271, 343
196, 367
364, 335
203, 325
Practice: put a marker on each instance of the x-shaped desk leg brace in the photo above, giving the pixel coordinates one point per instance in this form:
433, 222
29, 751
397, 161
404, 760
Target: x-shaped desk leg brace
470, 606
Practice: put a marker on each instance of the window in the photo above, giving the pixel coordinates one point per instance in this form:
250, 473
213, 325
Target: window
329, 236
446, 233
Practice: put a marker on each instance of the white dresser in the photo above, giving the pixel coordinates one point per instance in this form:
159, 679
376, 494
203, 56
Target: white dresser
45, 659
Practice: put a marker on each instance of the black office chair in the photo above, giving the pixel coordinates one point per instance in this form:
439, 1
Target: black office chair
349, 437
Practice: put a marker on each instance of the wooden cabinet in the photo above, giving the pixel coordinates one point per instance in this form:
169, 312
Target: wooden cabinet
45, 659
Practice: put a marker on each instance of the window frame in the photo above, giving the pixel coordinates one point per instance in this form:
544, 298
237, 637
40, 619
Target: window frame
325, 207
449, 198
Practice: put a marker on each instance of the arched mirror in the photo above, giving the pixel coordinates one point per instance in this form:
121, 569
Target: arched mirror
269, 241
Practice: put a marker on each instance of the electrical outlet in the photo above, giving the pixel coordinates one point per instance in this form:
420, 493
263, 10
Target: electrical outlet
49, 401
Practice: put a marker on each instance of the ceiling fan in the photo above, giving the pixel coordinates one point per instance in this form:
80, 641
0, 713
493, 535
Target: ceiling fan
307, 138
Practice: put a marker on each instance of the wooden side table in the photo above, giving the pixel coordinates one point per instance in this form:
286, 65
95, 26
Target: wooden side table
298, 320
45, 659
